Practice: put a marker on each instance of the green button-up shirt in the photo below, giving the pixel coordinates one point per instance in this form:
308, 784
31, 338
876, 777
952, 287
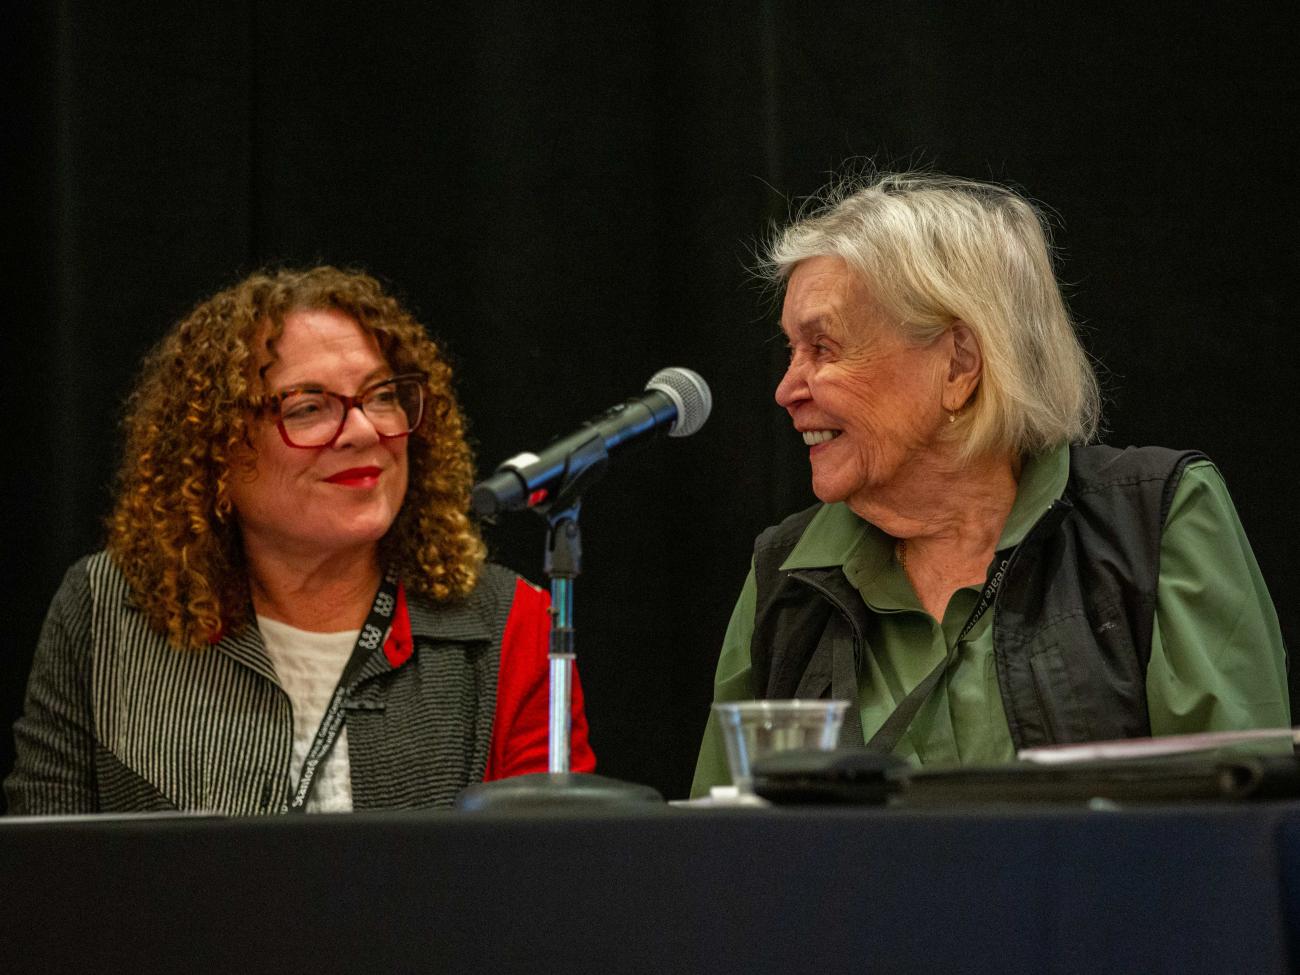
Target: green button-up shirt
1217, 657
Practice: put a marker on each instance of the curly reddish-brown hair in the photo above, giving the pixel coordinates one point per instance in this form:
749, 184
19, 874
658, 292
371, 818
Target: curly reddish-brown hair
173, 530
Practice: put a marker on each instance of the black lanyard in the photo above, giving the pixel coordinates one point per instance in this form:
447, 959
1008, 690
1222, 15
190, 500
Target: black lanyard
371, 637
897, 723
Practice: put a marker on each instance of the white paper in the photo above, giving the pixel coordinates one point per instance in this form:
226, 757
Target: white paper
1152, 747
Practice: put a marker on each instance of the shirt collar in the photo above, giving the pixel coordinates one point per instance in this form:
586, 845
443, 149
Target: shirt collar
462, 621
830, 539
1042, 481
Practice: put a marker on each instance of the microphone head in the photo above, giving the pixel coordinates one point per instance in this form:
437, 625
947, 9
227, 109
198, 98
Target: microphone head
689, 393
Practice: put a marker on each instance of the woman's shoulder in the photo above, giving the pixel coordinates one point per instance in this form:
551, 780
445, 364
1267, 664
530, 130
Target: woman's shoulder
84, 579
1106, 463
86, 584
789, 530
488, 604
495, 575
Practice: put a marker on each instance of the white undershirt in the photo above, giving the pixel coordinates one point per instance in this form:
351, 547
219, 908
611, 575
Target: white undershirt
309, 666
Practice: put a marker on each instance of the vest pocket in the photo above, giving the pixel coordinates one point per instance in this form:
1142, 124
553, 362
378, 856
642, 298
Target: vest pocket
1058, 706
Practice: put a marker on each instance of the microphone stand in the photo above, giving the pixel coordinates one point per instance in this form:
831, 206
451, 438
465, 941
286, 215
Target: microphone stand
562, 564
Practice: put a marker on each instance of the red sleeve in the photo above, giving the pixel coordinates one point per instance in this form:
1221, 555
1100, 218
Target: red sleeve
520, 729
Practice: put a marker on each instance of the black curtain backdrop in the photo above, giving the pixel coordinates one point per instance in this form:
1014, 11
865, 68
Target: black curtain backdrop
569, 195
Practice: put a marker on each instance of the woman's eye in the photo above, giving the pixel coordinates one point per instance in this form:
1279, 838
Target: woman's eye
300, 408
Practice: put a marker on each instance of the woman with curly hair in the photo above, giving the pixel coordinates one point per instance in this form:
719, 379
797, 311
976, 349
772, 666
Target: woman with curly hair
293, 611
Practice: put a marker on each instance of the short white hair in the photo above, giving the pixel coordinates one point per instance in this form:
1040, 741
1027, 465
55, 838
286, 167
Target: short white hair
934, 249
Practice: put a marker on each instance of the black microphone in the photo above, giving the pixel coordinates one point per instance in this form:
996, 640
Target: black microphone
676, 398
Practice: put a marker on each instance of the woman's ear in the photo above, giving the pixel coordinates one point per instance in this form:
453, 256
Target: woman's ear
965, 366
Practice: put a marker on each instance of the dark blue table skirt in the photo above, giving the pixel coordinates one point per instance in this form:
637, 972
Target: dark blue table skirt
1179, 890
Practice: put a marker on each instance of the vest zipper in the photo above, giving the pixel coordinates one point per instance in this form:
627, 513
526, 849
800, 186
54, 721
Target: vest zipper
840, 607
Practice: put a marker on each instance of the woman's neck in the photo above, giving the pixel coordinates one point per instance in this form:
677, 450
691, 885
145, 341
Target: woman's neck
948, 518
323, 594
943, 499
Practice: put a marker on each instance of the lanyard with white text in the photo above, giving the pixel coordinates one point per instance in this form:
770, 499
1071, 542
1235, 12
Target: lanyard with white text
897, 723
371, 637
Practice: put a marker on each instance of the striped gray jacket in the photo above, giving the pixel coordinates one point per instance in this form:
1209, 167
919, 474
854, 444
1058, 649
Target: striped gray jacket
117, 720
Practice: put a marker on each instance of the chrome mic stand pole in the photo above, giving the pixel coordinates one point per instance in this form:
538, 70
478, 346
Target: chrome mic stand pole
563, 563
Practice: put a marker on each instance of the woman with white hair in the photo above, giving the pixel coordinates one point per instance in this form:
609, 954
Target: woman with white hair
975, 579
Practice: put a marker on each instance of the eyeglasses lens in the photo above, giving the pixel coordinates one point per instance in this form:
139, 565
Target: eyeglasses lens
312, 419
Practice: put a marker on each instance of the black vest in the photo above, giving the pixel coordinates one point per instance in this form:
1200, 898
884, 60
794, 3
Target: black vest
1072, 619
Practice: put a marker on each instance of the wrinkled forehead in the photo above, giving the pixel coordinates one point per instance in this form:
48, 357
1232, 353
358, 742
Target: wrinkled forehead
824, 294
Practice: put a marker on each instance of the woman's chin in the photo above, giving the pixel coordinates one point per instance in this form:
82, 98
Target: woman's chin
829, 491
359, 534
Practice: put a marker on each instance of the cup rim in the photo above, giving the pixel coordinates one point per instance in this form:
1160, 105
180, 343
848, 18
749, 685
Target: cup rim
781, 706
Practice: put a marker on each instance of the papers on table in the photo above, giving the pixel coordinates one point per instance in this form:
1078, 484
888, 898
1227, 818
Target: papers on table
1162, 745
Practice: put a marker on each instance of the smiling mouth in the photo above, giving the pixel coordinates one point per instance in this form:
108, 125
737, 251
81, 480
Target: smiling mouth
813, 437
354, 475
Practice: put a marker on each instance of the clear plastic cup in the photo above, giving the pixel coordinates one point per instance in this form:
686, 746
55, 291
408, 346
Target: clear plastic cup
755, 729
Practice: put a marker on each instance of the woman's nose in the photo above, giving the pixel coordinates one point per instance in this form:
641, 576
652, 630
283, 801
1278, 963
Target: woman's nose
358, 430
792, 386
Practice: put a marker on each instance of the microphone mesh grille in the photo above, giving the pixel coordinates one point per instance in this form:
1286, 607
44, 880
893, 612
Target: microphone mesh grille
691, 395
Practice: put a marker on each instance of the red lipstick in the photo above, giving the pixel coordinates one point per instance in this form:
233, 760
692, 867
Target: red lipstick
356, 477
